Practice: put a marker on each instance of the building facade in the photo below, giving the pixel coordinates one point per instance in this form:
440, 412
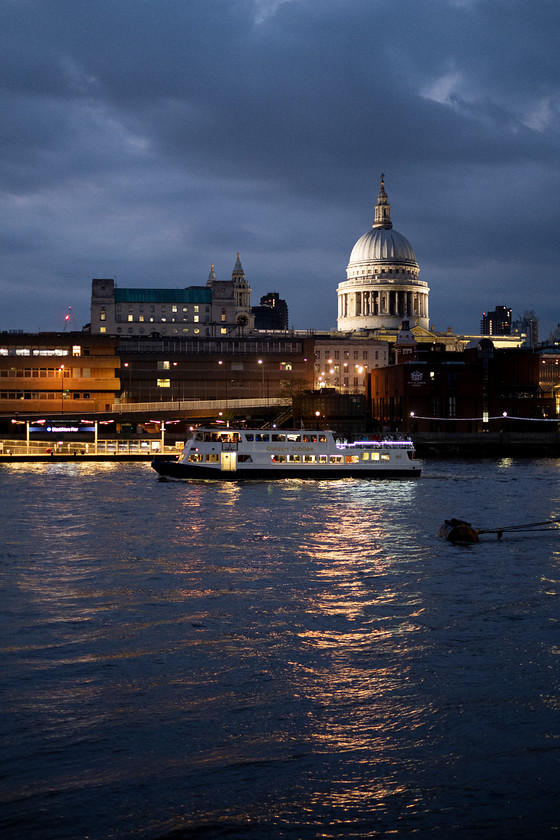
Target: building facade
497, 322
382, 285
344, 361
479, 389
58, 373
231, 368
221, 307
272, 314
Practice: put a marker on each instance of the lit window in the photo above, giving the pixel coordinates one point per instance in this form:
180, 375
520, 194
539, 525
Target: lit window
103, 315
196, 319
102, 329
130, 317
164, 383
163, 365
76, 350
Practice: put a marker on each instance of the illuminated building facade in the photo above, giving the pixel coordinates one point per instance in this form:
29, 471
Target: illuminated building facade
58, 373
343, 361
382, 286
221, 307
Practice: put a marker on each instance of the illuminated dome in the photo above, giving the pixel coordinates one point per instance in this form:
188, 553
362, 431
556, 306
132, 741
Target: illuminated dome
382, 285
380, 245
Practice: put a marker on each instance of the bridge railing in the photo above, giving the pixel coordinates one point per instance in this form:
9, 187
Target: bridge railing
200, 405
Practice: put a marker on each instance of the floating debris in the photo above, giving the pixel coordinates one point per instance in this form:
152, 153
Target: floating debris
459, 531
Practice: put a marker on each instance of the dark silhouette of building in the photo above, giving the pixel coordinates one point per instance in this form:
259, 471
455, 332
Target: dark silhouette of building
479, 389
528, 328
497, 322
272, 314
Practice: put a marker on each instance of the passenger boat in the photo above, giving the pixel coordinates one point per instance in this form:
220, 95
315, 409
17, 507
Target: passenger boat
228, 453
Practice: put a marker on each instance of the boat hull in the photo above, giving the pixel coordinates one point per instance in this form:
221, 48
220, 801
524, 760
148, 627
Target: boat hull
178, 469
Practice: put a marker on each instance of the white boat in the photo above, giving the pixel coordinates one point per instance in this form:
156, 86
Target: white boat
228, 453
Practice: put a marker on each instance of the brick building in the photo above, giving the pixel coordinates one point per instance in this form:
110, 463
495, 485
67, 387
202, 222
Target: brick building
479, 389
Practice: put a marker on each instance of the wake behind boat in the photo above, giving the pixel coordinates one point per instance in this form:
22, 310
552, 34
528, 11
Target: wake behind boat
211, 453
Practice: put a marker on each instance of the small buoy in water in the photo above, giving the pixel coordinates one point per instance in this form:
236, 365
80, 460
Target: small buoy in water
458, 531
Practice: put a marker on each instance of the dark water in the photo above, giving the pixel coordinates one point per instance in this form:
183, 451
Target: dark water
278, 660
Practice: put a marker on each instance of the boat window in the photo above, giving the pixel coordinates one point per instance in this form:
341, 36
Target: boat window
374, 456
278, 438
365, 456
213, 456
244, 459
336, 459
309, 459
199, 436
324, 458
322, 438
351, 459
249, 437
293, 438
310, 438
263, 438
278, 459
294, 459
196, 456
385, 456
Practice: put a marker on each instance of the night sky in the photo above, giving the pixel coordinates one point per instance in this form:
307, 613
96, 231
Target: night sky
147, 139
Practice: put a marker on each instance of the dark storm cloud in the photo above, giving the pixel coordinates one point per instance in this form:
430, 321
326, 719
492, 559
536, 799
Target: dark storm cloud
147, 139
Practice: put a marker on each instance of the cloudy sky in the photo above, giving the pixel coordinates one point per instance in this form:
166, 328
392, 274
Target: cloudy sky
147, 139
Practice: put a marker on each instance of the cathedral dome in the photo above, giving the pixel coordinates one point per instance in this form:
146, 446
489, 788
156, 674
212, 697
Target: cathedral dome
382, 245
382, 287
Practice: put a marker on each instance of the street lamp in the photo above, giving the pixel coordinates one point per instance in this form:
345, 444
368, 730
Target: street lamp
61, 369
128, 394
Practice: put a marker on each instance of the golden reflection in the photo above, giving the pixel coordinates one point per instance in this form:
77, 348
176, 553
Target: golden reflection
505, 463
362, 689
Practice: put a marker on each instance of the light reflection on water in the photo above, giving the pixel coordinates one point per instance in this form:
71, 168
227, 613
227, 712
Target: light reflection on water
291, 659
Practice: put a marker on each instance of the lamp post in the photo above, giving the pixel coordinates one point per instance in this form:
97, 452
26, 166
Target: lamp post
128, 394
261, 363
61, 368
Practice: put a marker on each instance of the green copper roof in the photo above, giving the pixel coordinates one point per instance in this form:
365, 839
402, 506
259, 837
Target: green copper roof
192, 294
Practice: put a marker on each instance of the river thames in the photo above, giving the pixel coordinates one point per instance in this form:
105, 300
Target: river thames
289, 659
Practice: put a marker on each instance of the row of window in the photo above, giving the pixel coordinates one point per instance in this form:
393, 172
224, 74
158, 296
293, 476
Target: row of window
214, 457
36, 351
166, 365
336, 381
356, 354
151, 320
163, 308
44, 373
186, 330
407, 271
44, 395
